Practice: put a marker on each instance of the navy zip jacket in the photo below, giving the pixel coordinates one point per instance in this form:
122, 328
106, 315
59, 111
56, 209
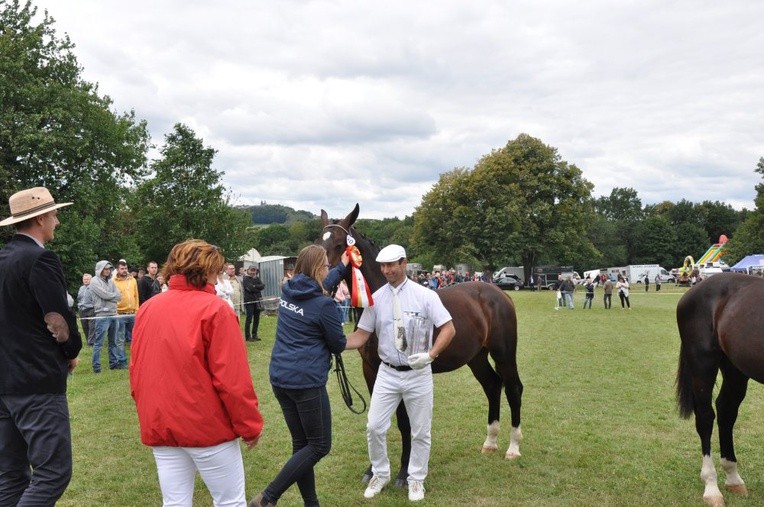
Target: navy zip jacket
307, 333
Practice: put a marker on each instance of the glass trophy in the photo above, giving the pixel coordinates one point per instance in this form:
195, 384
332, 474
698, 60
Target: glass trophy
418, 334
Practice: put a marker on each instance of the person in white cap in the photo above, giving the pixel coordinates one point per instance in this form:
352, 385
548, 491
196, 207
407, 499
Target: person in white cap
401, 376
39, 344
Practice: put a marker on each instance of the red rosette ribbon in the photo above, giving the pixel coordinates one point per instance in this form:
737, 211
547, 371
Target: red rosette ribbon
360, 293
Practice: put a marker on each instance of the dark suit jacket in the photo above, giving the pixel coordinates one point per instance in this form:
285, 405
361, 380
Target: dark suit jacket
31, 286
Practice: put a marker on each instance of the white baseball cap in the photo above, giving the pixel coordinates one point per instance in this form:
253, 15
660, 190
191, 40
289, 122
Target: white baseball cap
391, 253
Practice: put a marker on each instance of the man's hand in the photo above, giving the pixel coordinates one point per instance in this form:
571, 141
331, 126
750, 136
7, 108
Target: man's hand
73, 364
419, 361
57, 326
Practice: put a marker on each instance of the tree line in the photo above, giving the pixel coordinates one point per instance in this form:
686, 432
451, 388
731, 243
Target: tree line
521, 204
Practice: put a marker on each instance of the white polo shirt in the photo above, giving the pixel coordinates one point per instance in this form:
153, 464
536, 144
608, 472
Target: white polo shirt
415, 300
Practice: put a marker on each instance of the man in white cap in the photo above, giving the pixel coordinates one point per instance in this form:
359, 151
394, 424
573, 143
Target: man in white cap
39, 344
401, 376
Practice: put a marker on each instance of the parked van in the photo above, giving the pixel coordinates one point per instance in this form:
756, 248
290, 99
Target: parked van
640, 271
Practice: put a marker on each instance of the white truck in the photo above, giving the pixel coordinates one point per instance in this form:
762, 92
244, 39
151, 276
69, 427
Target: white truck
635, 273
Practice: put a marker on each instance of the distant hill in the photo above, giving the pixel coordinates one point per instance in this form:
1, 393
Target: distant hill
266, 214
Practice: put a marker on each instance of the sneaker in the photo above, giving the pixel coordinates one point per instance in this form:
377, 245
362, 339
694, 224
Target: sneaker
258, 502
375, 486
416, 491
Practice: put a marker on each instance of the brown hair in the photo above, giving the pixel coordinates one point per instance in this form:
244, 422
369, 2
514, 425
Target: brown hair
195, 259
310, 261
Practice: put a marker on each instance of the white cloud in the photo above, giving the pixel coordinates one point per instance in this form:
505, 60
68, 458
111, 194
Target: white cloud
322, 104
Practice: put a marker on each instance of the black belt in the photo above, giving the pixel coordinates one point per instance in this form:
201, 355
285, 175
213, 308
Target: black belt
398, 368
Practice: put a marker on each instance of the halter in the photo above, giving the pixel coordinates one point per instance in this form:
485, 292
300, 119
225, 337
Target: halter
338, 225
349, 239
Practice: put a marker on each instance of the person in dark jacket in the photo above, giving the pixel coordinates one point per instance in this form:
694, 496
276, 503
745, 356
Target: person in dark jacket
39, 344
252, 287
308, 332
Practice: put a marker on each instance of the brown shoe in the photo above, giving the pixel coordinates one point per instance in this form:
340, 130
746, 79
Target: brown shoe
258, 502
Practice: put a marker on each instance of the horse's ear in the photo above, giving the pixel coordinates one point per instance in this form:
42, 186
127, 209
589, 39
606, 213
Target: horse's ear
352, 216
324, 218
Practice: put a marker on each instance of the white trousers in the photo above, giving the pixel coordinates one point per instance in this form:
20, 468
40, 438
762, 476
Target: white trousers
220, 467
415, 389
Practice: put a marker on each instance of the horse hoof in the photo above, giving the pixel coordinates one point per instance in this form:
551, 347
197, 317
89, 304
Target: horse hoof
366, 477
714, 501
737, 489
488, 450
401, 483
512, 455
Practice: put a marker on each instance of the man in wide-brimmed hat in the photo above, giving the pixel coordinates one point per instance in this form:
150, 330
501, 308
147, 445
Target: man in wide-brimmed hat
39, 344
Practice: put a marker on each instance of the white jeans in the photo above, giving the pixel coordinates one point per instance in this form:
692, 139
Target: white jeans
220, 467
415, 389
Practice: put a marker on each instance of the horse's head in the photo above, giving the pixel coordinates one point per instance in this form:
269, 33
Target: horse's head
334, 236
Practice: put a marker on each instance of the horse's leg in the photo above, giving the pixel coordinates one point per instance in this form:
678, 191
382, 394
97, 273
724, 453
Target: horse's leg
699, 359
491, 384
404, 426
513, 388
731, 395
704, 424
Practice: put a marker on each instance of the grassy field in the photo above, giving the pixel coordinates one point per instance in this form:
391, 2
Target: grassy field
599, 422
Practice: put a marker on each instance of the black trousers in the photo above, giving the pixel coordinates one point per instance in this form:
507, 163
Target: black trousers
309, 418
35, 449
252, 322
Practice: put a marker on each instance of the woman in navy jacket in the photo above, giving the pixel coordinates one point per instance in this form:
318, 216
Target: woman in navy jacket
308, 332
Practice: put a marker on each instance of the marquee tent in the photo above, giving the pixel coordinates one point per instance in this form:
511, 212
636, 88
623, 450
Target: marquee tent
748, 262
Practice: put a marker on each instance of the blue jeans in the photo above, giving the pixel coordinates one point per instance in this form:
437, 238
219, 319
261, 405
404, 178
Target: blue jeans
568, 298
125, 329
309, 419
35, 448
107, 326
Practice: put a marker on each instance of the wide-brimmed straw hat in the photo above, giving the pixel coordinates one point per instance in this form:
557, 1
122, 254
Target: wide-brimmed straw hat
30, 203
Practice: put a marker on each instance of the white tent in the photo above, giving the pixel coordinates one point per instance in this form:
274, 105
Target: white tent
251, 257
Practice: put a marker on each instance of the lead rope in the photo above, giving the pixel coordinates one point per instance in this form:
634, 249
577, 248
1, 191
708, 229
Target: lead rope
346, 388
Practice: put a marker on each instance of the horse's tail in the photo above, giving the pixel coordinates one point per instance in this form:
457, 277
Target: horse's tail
684, 397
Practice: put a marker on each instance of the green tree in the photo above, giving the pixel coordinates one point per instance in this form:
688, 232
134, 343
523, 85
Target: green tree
749, 236
607, 238
718, 218
57, 131
522, 202
622, 205
655, 242
623, 210
184, 198
690, 240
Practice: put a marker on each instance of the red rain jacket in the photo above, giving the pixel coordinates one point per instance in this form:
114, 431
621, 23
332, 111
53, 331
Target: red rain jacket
189, 373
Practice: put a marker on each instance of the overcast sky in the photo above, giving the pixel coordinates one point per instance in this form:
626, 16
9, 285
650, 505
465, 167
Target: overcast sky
322, 104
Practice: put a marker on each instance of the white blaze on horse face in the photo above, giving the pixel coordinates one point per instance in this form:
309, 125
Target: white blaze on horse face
711, 493
327, 235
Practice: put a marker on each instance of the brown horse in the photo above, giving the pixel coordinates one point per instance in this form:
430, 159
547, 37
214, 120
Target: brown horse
722, 328
485, 322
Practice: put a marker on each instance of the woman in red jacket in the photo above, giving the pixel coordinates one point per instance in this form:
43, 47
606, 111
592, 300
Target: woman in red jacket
190, 379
